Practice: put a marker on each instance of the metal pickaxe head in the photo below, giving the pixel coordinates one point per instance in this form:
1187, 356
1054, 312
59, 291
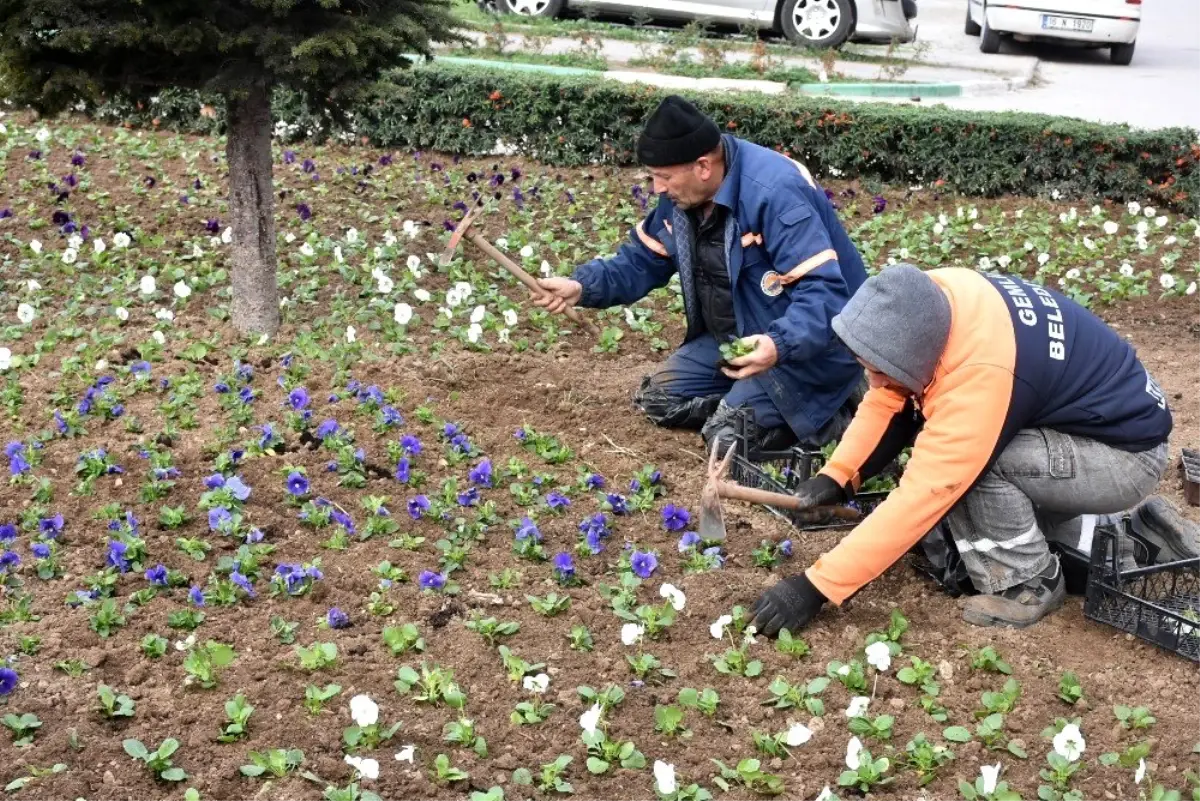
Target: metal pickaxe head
712, 515
459, 231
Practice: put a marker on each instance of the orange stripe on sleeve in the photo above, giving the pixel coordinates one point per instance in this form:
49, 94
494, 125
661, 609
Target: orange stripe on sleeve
649, 241
808, 265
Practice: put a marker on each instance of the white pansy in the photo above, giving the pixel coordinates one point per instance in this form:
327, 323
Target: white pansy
1073, 274
1167, 281
1142, 228
352, 235
121, 239
166, 315
502, 243
1126, 270
1019, 213
148, 285
422, 295
101, 365
367, 768
43, 136
411, 228
985, 263
1088, 243
546, 268
990, 774
406, 753
844, 670
943, 220
389, 238
1160, 221
159, 337
631, 633
527, 251
1140, 773
306, 249
798, 734
464, 288
26, 313
825, 795
289, 237
717, 629
99, 246
337, 254
75, 241
674, 595
858, 706
351, 333
122, 313
1069, 743
1074, 213
1170, 240
1134, 207
938, 228
181, 289
364, 711
414, 266
1028, 246
1096, 211
384, 284
1149, 212
35, 246
536, 684
502, 335
1111, 227
590, 719
1191, 289
664, 777
403, 313
5, 359
1004, 261
453, 299
879, 656
973, 213
477, 314
32, 285
853, 749
510, 318
227, 235
474, 332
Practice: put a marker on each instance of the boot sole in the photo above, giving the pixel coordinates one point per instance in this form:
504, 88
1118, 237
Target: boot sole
981, 618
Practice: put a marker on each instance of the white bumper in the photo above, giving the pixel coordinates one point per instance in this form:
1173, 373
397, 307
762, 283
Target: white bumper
1024, 22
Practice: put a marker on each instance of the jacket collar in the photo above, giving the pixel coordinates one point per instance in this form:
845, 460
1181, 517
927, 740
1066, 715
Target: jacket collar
727, 193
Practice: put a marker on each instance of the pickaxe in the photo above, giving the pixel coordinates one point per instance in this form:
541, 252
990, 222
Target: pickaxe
505, 262
712, 516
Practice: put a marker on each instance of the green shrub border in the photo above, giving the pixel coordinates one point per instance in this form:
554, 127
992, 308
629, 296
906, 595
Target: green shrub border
575, 121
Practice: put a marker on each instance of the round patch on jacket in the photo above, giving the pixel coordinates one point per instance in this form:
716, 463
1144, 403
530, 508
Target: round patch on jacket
771, 284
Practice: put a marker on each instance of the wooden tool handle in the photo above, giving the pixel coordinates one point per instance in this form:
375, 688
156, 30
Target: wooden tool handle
526, 279
736, 492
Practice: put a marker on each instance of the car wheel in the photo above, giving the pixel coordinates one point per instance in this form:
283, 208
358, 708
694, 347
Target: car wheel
971, 27
531, 8
989, 40
816, 23
1122, 54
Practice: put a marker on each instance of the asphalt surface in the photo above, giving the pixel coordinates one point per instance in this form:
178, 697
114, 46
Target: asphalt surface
1161, 88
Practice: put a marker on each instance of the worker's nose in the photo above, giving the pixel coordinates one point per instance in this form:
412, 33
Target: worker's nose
659, 187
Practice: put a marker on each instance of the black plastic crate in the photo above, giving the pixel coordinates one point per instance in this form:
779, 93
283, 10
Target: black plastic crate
783, 471
1159, 603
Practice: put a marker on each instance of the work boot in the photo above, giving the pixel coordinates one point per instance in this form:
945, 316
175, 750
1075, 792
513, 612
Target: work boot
666, 409
1167, 535
1021, 605
722, 429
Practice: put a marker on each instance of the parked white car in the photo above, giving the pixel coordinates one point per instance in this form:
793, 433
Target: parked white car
814, 23
1096, 23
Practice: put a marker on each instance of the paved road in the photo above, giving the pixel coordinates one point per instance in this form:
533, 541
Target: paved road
1160, 88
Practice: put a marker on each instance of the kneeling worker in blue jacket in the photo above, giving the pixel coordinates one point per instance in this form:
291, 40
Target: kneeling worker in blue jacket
760, 254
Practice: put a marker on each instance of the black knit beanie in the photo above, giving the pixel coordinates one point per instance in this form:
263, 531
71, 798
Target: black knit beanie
676, 133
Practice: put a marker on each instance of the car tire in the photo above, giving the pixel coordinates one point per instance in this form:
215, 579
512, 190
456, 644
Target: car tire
1122, 54
989, 40
816, 23
970, 27
531, 8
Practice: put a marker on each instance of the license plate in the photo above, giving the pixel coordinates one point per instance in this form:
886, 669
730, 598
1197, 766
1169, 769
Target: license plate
1052, 23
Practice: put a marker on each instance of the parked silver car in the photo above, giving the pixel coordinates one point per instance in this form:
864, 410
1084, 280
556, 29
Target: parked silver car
815, 23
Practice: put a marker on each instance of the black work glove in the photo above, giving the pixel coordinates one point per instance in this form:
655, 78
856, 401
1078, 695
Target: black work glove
820, 490
790, 605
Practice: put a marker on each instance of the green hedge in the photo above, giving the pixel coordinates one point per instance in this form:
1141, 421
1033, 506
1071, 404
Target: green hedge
576, 121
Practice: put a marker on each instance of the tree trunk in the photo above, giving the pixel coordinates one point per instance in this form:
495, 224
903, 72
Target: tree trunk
252, 207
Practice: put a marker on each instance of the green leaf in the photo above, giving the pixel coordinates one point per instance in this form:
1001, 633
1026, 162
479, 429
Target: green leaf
597, 766
252, 770
754, 668
522, 776
1017, 751
135, 749
17, 784
173, 775
957, 734
967, 791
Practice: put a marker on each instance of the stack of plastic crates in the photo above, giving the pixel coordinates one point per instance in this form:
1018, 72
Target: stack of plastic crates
783, 471
1159, 603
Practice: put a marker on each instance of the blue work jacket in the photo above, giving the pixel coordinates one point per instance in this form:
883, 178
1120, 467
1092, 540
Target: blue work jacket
791, 266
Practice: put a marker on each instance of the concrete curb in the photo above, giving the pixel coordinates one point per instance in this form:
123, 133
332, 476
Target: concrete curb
966, 88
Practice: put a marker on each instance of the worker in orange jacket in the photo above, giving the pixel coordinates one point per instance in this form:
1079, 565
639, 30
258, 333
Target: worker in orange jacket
1028, 417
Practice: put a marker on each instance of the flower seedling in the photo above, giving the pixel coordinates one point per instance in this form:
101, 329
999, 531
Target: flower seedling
34, 773
787, 696
445, 773
238, 712
23, 727
736, 662
315, 697
603, 753
277, 762
185, 619
107, 619
317, 657
403, 638
506, 579
747, 773
549, 605
897, 626
462, 732
705, 701
203, 663
113, 705
987, 787
986, 658
777, 744
736, 349
667, 788
863, 772
919, 673
516, 667
530, 712
925, 758
791, 645
283, 630
494, 793
551, 778
878, 729
580, 638
669, 721
1069, 689
608, 699
158, 761
434, 685
769, 554
1137, 717
851, 675
1059, 775
1002, 702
